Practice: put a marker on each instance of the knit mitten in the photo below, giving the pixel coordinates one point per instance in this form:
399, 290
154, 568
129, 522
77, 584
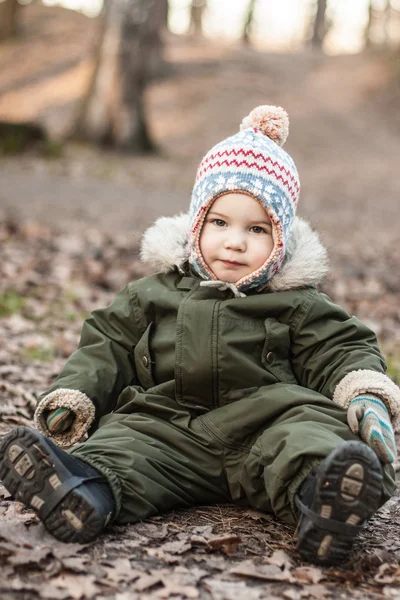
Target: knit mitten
59, 420
369, 417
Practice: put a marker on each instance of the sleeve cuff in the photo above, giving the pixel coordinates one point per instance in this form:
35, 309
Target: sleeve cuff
76, 401
373, 383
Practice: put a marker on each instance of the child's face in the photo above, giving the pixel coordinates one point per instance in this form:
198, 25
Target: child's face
236, 238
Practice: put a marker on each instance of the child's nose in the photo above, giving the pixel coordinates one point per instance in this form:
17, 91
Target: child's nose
235, 240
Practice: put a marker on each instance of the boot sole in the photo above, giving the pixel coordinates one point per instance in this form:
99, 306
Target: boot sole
349, 490
31, 472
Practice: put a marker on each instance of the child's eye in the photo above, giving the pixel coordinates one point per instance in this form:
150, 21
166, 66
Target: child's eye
219, 222
258, 229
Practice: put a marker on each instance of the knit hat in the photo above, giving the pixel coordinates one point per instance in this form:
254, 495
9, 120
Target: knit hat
253, 162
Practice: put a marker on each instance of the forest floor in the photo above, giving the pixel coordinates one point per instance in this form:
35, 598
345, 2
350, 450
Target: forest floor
71, 219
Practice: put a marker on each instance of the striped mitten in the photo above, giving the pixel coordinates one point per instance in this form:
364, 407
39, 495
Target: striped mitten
369, 417
59, 420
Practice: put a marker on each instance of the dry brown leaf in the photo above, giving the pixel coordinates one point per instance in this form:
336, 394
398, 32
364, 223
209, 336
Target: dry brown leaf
248, 568
121, 570
307, 574
320, 592
78, 586
154, 532
161, 555
177, 547
76, 564
388, 573
233, 590
172, 589
202, 530
127, 596
51, 593
146, 582
280, 559
390, 592
291, 594
29, 557
256, 515
226, 543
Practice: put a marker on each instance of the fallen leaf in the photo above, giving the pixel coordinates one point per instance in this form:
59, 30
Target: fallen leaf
267, 572
51, 593
390, 592
161, 555
291, 594
78, 586
226, 543
171, 589
25, 557
388, 573
232, 590
204, 530
280, 559
256, 515
320, 592
75, 564
121, 570
178, 547
145, 582
307, 574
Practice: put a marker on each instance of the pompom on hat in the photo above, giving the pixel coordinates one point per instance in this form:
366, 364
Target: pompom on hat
252, 162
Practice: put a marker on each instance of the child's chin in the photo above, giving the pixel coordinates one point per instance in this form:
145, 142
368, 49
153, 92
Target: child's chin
228, 277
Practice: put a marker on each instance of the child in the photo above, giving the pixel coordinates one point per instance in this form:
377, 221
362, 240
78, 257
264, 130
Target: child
225, 377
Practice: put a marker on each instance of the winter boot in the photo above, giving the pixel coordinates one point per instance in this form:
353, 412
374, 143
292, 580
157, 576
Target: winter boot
339, 496
72, 499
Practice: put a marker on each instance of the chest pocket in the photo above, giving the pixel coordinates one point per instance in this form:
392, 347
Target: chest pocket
143, 359
276, 353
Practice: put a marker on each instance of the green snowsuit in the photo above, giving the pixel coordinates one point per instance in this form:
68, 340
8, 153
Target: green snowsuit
203, 397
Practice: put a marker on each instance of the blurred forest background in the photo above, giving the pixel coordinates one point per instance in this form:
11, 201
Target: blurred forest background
106, 109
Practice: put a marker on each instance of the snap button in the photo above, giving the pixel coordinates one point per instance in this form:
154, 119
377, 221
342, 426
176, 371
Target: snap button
145, 361
270, 357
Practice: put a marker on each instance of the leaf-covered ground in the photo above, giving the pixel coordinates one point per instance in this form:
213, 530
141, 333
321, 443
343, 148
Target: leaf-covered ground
50, 280
69, 239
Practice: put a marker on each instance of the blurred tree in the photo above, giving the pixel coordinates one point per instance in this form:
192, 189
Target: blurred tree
8, 18
387, 12
320, 27
113, 110
248, 23
367, 33
197, 9
379, 24
157, 26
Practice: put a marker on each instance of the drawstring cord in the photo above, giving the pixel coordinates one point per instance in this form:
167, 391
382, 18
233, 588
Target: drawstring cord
223, 285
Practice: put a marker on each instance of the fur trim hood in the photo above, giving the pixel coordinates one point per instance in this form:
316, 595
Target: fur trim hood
165, 247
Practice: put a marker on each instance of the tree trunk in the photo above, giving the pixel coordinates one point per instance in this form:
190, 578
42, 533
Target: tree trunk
113, 110
367, 34
379, 23
248, 21
157, 26
320, 28
8, 18
197, 9
387, 13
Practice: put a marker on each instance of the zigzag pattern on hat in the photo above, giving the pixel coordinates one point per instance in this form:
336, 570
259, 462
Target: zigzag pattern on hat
211, 161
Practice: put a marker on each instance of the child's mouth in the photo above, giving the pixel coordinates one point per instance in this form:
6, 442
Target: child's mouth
232, 263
